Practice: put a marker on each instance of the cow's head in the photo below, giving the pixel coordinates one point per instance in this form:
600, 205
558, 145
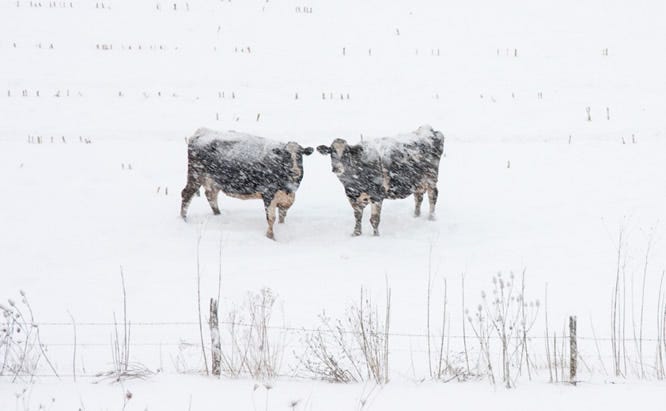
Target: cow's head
342, 155
295, 152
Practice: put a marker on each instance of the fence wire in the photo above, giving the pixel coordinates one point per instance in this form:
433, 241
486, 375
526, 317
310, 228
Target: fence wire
291, 329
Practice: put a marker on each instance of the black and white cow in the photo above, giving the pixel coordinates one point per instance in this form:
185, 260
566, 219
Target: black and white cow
388, 168
246, 167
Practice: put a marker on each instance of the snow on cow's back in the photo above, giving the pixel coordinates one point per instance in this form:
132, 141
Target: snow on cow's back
384, 147
236, 145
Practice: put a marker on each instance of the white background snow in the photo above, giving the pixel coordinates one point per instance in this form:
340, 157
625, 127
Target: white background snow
527, 182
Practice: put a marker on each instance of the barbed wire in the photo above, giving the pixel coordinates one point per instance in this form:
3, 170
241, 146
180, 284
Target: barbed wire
323, 330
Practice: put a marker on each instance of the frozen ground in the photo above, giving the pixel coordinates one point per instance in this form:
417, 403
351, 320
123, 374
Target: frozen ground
527, 183
186, 392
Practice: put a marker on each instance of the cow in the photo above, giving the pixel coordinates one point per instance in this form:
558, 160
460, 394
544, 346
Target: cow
246, 167
388, 168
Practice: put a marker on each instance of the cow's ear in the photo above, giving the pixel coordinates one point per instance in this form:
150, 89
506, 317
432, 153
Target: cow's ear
277, 151
308, 150
325, 150
357, 149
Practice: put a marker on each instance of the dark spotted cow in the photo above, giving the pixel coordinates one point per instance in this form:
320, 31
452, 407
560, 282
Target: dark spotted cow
245, 167
388, 168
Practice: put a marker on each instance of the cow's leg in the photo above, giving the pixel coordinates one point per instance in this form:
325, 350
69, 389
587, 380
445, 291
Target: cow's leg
418, 199
188, 192
211, 195
269, 205
282, 214
358, 215
432, 198
286, 201
358, 204
376, 216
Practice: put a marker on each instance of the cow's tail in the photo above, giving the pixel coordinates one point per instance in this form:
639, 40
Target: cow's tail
193, 153
193, 177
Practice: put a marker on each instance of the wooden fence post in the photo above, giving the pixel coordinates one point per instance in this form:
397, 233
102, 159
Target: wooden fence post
573, 350
215, 346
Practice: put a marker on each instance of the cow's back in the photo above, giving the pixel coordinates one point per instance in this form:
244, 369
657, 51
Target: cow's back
238, 163
411, 161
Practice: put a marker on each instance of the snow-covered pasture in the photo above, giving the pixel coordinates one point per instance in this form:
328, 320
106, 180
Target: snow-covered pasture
528, 182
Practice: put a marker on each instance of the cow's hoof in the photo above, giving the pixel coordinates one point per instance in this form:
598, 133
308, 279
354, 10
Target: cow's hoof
432, 217
356, 233
281, 221
216, 212
270, 236
417, 215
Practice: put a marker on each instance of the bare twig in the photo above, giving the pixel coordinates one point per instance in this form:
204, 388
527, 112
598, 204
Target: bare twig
203, 347
464, 336
74, 351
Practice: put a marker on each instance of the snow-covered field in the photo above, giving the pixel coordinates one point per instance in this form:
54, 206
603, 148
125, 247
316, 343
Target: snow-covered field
529, 183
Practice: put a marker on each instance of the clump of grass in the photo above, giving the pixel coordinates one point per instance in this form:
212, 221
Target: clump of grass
355, 349
21, 348
122, 367
506, 317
